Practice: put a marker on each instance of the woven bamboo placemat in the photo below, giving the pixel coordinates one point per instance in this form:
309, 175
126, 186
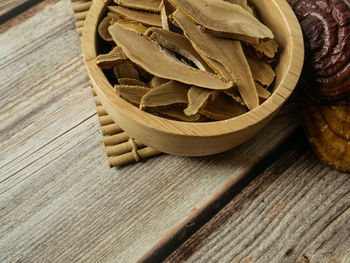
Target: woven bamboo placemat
120, 148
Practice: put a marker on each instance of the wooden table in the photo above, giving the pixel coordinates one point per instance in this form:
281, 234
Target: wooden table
269, 200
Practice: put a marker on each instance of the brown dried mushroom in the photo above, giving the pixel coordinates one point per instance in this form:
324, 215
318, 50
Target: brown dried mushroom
185, 69
326, 78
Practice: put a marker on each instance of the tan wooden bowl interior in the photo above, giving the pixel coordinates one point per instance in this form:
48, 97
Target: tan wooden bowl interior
198, 139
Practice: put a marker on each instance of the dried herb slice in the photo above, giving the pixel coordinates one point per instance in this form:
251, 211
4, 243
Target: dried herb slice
113, 58
220, 16
146, 5
151, 19
150, 56
103, 29
132, 94
223, 108
169, 94
132, 82
198, 98
234, 94
225, 51
262, 72
242, 3
267, 47
262, 92
126, 70
166, 9
157, 81
178, 44
113, 18
132, 25
178, 114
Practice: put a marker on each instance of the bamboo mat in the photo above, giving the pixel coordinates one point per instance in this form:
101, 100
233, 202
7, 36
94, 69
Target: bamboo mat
120, 148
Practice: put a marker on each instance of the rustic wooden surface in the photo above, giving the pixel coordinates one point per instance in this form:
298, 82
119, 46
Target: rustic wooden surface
59, 200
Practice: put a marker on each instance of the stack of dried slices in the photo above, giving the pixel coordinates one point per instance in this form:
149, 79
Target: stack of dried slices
188, 60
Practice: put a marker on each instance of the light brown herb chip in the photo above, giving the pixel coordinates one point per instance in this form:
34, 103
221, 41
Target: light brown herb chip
103, 29
157, 81
178, 44
132, 25
110, 60
132, 94
234, 94
150, 56
220, 16
198, 98
262, 92
113, 17
151, 19
262, 72
132, 82
222, 108
267, 47
225, 51
169, 94
178, 114
166, 9
242, 3
126, 70
146, 5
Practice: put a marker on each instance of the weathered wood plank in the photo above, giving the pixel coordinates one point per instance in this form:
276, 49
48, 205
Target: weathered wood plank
299, 212
59, 201
7, 5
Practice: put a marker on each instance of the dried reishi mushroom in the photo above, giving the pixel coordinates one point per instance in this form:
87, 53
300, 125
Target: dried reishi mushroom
132, 94
171, 93
146, 5
198, 98
132, 82
103, 29
327, 129
150, 56
326, 29
126, 70
223, 17
262, 72
185, 65
226, 51
113, 58
178, 44
223, 108
146, 18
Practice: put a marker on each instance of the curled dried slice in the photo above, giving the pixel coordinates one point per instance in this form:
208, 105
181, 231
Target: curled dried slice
126, 70
224, 17
234, 94
132, 94
198, 98
157, 81
150, 56
222, 108
103, 29
169, 94
178, 114
178, 44
146, 5
332, 148
267, 47
262, 72
151, 19
166, 9
113, 58
132, 82
228, 52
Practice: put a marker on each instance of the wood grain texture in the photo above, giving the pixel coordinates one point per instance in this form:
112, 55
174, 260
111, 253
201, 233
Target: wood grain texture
297, 211
199, 139
7, 5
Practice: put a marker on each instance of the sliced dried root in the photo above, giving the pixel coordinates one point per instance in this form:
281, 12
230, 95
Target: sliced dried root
126, 70
113, 58
150, 56
145, 5
132, 94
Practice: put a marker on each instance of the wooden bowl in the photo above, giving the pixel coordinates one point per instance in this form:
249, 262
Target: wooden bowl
198, 139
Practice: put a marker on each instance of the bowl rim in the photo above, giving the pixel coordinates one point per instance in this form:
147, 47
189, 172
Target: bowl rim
203, 129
